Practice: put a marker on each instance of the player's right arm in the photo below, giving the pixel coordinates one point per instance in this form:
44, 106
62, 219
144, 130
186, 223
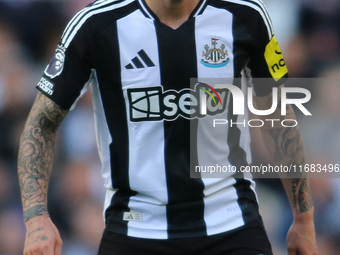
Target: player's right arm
35, 161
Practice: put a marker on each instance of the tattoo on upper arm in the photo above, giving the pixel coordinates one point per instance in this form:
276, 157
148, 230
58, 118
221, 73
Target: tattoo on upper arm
36, 154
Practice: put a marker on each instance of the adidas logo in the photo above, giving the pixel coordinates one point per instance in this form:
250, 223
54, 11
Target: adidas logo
132, 216
137, 62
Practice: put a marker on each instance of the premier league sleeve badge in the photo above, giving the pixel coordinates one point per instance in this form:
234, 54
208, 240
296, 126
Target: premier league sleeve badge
56, 65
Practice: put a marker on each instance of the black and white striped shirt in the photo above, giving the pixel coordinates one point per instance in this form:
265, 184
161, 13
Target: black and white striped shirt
140, 71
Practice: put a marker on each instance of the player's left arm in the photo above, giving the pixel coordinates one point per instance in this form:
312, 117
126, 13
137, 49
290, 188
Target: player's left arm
285, 146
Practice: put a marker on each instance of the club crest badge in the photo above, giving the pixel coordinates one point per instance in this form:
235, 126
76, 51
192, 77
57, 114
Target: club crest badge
56, 65
215, 57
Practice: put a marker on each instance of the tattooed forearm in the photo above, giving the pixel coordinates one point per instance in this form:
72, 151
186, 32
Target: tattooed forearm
286, 147
289, 150
36, 154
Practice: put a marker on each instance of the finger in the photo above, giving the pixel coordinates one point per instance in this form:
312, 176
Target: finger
292, 251
27, 252
50, 251
33, 251
57, 249
305, 251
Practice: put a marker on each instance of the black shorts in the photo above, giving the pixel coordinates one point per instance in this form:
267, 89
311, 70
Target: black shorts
250, 239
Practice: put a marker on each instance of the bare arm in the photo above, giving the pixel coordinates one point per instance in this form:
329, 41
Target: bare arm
285, 146
35, 161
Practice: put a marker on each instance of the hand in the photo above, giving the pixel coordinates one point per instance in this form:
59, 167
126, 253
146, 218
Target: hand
301, 238
42, 237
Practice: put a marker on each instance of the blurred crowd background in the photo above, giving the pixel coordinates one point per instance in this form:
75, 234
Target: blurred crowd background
309, 34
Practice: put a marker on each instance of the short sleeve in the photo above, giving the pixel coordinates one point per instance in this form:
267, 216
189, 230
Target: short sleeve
266, 63
70, 67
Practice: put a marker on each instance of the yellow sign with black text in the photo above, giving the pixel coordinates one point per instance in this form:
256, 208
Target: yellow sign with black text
276, 64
